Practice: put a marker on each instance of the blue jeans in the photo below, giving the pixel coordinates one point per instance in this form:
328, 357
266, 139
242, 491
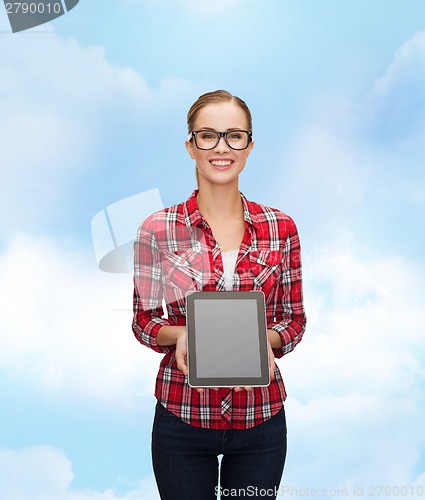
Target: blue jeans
186, 466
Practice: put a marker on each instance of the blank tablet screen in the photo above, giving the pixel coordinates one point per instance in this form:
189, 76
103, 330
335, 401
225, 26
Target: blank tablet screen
214, 320
227, 339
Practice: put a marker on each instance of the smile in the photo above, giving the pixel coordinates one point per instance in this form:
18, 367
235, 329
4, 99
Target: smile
221, 163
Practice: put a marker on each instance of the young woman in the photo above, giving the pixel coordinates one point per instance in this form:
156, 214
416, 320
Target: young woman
217, 240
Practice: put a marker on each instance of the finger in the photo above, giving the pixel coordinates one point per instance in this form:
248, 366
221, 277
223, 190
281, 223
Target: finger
181, 364
272, 377
272, 367
272, 364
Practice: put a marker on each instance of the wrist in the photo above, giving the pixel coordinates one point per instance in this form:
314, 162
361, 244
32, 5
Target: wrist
180, 332
169, 335
274, 339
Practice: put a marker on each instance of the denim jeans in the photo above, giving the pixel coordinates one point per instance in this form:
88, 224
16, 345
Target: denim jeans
186, 466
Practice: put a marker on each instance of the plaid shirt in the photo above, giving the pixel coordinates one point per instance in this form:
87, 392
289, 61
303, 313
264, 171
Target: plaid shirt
175, 252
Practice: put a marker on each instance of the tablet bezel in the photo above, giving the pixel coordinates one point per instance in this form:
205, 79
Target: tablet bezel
194, 381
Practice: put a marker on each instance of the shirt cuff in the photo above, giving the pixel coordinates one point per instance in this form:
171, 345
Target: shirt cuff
148, 334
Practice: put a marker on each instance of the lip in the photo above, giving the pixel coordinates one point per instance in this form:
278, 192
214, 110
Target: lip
221, 163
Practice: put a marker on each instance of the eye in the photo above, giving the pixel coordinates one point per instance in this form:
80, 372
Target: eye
207, 136
235, 136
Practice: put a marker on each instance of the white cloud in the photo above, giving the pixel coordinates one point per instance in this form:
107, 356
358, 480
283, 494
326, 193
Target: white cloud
352, 153
360, 439
367, 320
420, 484
56, 94
356, 382
59, 325
42, 472
326, 166
355, 411
45, 473
406, 72
62, 104
395, 106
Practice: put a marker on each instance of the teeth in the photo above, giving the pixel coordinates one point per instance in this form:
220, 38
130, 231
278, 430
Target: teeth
221, 163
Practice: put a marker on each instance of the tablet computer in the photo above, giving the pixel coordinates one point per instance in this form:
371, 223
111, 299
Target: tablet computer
227, 339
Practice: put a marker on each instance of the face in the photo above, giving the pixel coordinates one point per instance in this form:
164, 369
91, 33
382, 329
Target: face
221, 165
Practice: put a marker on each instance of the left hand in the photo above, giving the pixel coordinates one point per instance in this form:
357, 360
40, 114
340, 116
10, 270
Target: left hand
272, 364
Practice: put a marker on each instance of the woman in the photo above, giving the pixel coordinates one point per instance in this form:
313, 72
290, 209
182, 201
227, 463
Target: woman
217, 240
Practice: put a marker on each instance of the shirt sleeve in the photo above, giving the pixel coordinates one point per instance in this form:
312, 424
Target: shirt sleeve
290, 319
148, 289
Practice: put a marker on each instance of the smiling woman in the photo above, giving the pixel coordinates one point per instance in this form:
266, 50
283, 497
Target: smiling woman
208, 138
217, 240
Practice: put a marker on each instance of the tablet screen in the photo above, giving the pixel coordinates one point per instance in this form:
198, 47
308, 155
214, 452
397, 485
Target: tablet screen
227, 327
227, 339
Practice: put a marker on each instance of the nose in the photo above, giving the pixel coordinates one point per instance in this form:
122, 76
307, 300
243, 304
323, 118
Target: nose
222, 145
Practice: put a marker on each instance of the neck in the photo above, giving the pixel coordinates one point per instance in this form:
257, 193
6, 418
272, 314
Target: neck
219, 202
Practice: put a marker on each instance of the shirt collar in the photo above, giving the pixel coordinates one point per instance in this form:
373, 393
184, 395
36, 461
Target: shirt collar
194, 218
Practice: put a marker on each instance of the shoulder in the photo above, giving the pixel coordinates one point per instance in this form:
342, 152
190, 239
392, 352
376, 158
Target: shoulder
263, 215
164, 226
164, 217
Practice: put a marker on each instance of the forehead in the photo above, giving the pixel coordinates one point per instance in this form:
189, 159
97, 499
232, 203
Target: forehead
221, 116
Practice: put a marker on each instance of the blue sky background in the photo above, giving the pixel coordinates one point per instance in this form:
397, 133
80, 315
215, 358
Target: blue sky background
92, 110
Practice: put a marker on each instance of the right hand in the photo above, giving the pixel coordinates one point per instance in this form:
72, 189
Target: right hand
181, 355
181, 352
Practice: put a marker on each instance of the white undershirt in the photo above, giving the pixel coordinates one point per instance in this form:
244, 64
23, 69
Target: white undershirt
229, 263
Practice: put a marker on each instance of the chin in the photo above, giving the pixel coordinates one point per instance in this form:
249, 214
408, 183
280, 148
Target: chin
220, 177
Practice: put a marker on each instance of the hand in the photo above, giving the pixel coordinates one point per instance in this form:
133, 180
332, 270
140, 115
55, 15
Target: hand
181, 354
272, 364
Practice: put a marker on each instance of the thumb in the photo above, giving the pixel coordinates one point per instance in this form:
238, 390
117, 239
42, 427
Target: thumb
181, 362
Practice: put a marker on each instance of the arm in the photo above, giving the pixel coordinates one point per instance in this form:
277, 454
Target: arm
290, 319
275, 339
148, 293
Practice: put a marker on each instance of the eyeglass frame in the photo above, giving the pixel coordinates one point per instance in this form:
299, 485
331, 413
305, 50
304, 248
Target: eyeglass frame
220, 135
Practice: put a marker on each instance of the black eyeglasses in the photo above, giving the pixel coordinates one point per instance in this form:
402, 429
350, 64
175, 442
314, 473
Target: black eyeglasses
209, 139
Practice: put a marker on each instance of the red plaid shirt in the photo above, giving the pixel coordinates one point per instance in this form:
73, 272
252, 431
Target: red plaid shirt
175, 252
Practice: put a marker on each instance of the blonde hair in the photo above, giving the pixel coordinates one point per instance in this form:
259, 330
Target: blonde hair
215, 97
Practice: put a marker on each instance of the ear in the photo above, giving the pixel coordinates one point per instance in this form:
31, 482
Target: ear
190, 149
